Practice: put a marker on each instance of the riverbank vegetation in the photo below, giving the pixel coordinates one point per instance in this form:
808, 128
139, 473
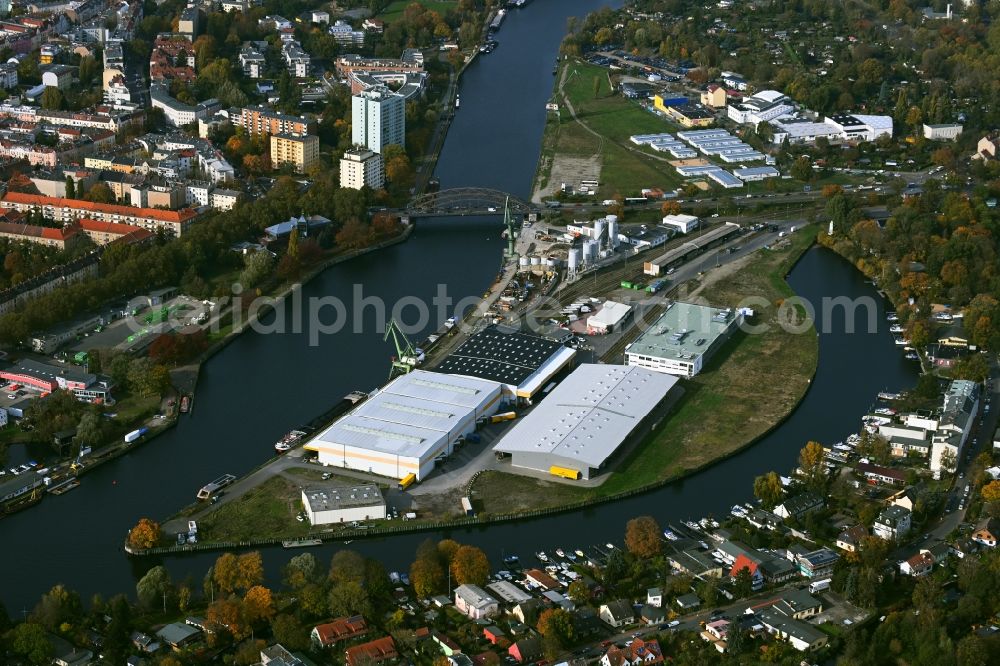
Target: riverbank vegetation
723, 408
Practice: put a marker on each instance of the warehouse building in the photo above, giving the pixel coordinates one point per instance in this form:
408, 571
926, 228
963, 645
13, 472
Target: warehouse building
412, 421
682, 223
325, 505
583, 421
609, 318
683, 339
522, 362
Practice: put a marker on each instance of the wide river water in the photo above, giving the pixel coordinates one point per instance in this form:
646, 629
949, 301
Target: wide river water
260, 386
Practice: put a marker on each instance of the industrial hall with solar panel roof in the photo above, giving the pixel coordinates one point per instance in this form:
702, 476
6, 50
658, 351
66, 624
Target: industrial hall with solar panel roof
522, 362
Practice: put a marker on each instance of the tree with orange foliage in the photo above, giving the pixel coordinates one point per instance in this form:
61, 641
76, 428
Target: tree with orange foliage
145, 534
642, 537
470, 565
258, 604
830, 190
229, 614
991, 491
427, 577
670, 207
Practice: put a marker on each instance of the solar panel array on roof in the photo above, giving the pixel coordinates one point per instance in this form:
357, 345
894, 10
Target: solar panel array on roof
501, 355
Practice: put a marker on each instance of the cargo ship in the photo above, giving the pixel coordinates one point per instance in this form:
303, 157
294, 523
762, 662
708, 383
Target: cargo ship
210, 489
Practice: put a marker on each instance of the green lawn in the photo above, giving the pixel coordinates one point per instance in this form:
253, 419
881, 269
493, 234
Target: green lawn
723, 408
625, 168
395, 10
267, 510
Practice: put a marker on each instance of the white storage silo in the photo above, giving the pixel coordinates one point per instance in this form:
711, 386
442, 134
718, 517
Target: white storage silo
599, 231
573, 260
612, 231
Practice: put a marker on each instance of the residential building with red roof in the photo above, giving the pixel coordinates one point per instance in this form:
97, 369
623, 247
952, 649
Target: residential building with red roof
339, 629
378, 651
639, 653
69, 210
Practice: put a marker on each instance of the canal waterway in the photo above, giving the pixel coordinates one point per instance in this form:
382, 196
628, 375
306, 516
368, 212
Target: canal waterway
260, 386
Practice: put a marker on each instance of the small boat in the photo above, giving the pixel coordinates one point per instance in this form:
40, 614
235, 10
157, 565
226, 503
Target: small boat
690, 523
290, 439
669, 535
210, 489
896, 328
885, 395
912, 356
185, 404
64, 487
301, 543
886, 411
542, 556
511, 559
571, 556
891, 316
580, 553
560, 552
610, 546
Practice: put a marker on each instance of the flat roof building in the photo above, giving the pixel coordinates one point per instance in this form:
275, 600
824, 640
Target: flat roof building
682, 223
683, 338
326, 504
410, 422
584, 420
609, 318
522, 362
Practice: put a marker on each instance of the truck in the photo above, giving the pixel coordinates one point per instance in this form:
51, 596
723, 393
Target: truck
819, 585
467, 507
500, 418
135, 434
407, 481
564, 472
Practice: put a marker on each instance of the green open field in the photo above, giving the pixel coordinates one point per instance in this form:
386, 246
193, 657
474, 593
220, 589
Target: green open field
723, 408
395, 9
604, 122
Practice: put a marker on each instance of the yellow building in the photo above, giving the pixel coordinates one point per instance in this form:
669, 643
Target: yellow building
690, 115
300, 150
714, 97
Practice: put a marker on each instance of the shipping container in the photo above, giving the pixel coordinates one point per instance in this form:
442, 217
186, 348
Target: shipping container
135, 434
467, 507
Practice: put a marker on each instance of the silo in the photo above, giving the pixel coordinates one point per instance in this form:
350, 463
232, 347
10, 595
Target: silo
590, 250
599, 231
573, 261
612, 231
523, 263
536, 261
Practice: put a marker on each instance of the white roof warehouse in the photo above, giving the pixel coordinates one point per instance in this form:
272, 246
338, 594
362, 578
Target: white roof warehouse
401, 429
584, 420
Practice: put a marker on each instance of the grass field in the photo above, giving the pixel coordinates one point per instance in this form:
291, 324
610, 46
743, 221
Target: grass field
269, 509
395, 10
723, 408
609, 121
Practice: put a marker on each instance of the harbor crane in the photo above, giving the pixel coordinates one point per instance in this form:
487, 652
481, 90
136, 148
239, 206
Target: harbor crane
407, 356
508, 221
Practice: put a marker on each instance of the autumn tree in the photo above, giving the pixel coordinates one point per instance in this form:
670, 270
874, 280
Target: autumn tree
991, 491
31, 642
349, 598
768, 489
258, 605
811, 462
145, 534
578, 591
427, 577
300, 570
232, 572
228, 614
470, 566
642, 537
556, 623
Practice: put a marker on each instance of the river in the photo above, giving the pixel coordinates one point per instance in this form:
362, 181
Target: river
262, 385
